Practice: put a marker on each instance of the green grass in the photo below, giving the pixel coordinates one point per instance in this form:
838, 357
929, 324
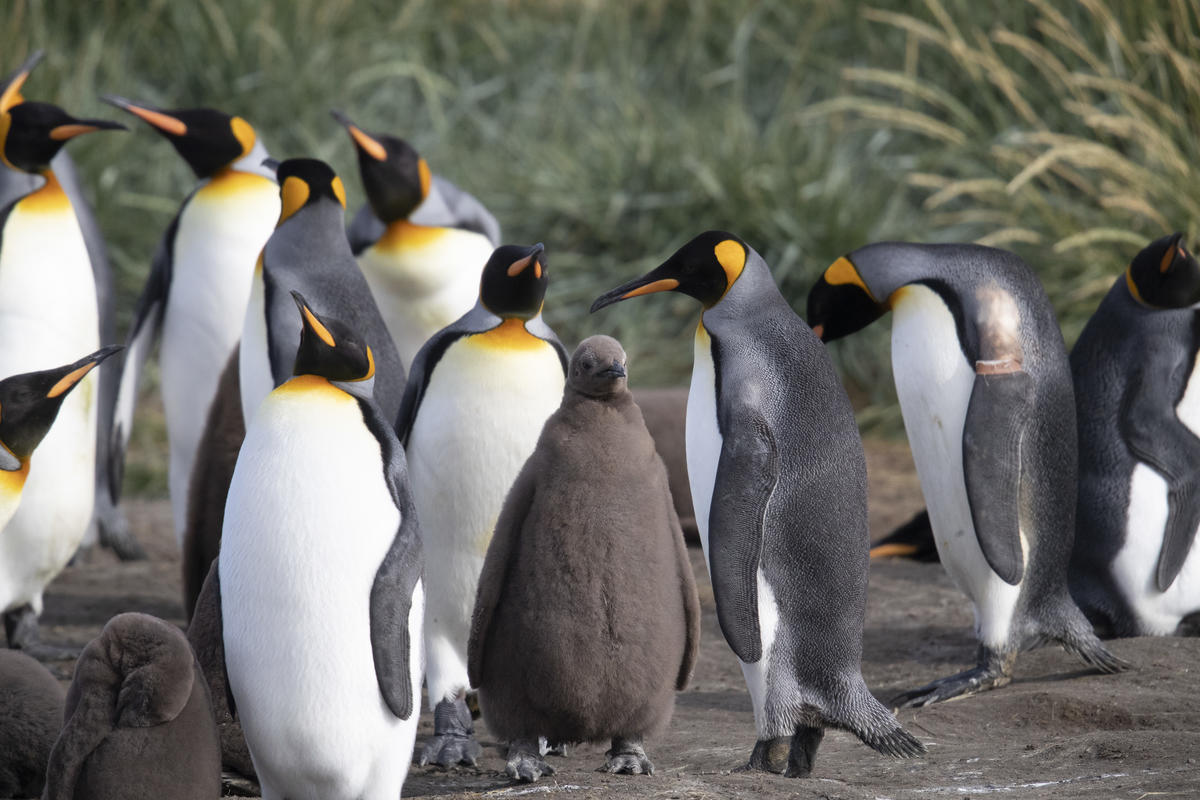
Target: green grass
615, 131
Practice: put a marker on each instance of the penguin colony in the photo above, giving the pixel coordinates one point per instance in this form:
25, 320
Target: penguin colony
385, 472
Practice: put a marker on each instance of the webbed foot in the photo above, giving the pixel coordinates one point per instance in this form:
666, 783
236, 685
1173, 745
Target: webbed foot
547, 749
453, 741
803, 751
21, 627
770, 755
627, 758
524, 762
993, 671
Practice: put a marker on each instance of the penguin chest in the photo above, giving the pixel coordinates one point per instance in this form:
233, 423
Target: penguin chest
1136, 564
934, 381
308, 520
254, 358
703, 434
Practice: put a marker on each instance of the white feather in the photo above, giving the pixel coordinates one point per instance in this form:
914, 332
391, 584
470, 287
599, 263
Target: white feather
308, 521
254, 359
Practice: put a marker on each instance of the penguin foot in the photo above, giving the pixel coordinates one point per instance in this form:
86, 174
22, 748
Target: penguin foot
803, 752
524, 764
21, 627
114, 533
627, 758
770, 755
964, 684
548, 749
453, 741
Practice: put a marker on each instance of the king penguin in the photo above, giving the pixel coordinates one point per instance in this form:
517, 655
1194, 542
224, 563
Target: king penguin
48, 314
1134, 569
319, 579
985, 390
29, 404
423, 264
779, 482
479, 393
199, 281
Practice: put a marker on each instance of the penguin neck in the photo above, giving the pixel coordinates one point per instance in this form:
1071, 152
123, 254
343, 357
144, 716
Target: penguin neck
48, 199
753, 292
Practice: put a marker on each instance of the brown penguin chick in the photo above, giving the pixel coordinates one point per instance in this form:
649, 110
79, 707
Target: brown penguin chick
665, 412
138, 722
586, 618
31, 709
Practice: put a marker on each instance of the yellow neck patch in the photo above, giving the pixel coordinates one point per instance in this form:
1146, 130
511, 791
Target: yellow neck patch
12, 482
293, 195
50, 199
312, 385
508, 335
842, 272
229, 182
403, 235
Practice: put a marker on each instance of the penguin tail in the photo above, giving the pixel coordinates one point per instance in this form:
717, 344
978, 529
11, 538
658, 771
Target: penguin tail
878, 728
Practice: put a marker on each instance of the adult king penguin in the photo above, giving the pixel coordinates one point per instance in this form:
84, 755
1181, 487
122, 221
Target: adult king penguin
1134, 569
48, 314
985, 390
779, 482
29, 558
479, 393
199, 281
320, 581
421, 241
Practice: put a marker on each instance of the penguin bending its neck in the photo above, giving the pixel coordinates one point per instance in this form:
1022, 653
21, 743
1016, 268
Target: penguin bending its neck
479, 393
320, 580
779, 482
138, 721
420, 240
985, 390
1135, 569
587, 541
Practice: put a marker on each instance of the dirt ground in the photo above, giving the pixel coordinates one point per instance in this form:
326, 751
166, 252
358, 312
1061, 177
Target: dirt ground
1058, 731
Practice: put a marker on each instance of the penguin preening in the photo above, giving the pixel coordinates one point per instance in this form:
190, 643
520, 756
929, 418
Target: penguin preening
587, 566
31, 707
985, 390
479, 392
199, 282
49, 314
779, 482
1134, 570
429, 240
137, 721
320, 580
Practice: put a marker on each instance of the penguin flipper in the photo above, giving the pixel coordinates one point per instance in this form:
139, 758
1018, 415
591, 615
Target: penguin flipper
495, 568
147, 323
691, 600
1157, 437
206, 634
747, 472
396, 579
991, 439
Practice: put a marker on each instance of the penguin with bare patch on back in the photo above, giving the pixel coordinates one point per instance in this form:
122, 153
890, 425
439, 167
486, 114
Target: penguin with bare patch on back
138, 722
31, 711
587, 566
985, 389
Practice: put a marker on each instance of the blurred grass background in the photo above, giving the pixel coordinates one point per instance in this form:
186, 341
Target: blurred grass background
1062, 129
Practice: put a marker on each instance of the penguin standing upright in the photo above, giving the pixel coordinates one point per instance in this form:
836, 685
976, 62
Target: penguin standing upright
48, 315
199, 281
422, 265
1134, 569
779, 482
320, 583
479, 393
985, 390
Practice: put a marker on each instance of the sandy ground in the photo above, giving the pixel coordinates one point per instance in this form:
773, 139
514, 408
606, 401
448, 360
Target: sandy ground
1058, 731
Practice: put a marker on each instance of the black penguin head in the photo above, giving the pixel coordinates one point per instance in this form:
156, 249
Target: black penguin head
597, 367
841, 303
394, 175
33, 133
30, 402
306, 181
207, 139
330, 349
1164, 274
514, 281
704, 268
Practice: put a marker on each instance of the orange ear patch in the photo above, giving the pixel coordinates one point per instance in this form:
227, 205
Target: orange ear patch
294, 194
244, 133
732, 258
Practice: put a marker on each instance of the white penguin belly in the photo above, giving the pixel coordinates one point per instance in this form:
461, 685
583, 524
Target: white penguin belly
934, 382
424, 281
219, 236
703, 450
308, 521
48, 317
1136, 564
478, 423
254, 359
